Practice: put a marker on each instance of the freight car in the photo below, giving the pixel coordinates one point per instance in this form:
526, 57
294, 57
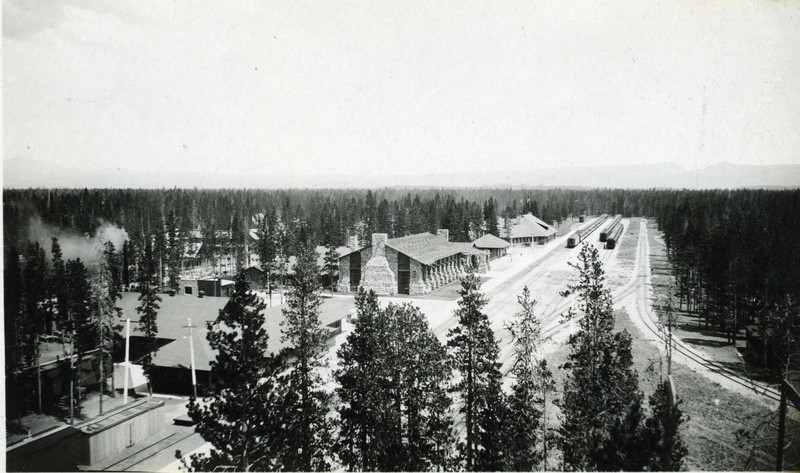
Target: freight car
613, 236
606, 231
584, 232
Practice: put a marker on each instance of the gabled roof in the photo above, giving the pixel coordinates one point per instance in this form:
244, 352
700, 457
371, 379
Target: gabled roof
176, 354
490, 241
426, 248
527, 226
173, 312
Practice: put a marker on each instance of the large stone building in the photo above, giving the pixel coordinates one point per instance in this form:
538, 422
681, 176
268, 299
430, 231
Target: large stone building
414, 264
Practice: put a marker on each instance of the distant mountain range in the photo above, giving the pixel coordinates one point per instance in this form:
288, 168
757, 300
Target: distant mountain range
636, 176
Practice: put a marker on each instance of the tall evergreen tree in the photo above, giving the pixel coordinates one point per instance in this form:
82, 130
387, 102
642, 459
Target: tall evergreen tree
360, 368
148, 308
393, 380
474, 353
663, 439
602, 427
59, 288
490, 217
331, 268
526, 402
268, 250
243, 416
12, 314
174, 252
307, 432
35, 303
106, 313
81, 322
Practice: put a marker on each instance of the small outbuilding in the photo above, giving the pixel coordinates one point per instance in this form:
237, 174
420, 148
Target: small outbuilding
496, 247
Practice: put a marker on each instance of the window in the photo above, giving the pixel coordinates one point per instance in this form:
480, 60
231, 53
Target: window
187, 290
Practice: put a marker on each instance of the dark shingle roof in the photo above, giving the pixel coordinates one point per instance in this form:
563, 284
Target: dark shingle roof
490, 241
528, 226
175, 310
426, 248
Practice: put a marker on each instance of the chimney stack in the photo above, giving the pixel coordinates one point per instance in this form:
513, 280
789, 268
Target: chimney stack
352, 242
443, 233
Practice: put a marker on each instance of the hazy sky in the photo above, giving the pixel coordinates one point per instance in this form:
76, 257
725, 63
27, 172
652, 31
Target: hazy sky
176, 93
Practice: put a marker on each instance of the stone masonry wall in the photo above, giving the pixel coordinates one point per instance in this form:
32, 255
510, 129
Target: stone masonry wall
344, 275
417, 286
377, 274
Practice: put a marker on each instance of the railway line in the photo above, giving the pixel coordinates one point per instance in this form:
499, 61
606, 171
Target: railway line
645, 314
636, 286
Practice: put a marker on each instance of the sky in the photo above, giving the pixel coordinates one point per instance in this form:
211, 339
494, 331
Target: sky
194, 93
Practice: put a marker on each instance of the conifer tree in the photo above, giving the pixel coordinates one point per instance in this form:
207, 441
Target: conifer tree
307, 429
490, 217
81, 322
106, 313
12, 313
268, 250
148, 308
243, 415
174, 252
526, 403
331, 268
474, 354
59, 288
393, 380
662, 432
602, 427
361, 398
35, 305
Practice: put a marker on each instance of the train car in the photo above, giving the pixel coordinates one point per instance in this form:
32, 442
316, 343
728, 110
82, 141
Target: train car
609, 227
581, 234
613, 237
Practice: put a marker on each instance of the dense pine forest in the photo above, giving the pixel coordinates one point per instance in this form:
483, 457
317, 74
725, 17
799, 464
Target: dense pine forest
735, 258
735, 254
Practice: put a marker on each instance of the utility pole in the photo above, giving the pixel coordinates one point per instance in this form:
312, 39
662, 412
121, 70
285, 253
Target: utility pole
126, 365
191, 354
102, 379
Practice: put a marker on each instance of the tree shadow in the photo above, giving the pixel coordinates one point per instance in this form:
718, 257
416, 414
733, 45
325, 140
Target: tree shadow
705, 343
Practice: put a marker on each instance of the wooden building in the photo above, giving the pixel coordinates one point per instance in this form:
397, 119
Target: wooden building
526, 230
172, 361
495, 246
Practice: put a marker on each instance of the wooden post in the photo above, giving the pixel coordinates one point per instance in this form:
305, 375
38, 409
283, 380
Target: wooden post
191, 355
39, 375
673, 395
102, 379
788, 393
125, 366
781, 430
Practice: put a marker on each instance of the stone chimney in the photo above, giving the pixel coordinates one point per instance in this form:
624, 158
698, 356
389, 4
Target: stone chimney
378, 276
352, 242
443, 233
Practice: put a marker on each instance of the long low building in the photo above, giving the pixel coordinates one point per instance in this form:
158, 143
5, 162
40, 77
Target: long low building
526, 229
414, 264
172, 361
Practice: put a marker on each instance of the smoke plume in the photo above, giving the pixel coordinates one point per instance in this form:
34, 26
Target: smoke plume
73, 245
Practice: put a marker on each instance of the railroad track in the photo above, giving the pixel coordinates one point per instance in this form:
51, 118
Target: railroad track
645, 314
164, 444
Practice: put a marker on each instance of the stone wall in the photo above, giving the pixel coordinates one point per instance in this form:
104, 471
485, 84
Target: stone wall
190, 283
417, 287
344, 274
378, 275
